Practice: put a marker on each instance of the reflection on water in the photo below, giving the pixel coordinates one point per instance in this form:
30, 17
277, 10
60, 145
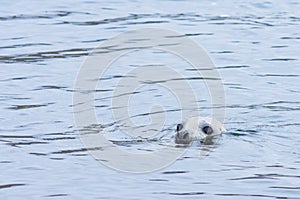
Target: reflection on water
255, 47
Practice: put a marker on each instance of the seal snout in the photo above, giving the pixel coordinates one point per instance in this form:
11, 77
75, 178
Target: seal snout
197, 128
182, 137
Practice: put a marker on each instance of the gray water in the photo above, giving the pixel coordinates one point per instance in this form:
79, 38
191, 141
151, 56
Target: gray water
255, 47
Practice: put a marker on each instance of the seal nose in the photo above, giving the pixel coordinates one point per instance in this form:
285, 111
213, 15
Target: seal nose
182, 137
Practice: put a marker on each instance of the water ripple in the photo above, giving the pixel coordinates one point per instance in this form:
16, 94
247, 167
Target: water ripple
57, 195
41, 56
11, 185
46, 15
22, 107
174, 172
186, 193
256, 195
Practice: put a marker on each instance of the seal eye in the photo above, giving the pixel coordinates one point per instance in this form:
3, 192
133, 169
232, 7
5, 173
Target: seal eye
179, 127
207, 130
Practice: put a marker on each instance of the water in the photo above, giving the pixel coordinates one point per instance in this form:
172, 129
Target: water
255, 48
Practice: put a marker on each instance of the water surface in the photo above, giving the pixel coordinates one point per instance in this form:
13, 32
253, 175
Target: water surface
254, 46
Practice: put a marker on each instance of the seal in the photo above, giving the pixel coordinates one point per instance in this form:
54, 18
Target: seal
197, 128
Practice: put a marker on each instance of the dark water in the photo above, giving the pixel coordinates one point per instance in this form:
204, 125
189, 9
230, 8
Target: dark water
255, 47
